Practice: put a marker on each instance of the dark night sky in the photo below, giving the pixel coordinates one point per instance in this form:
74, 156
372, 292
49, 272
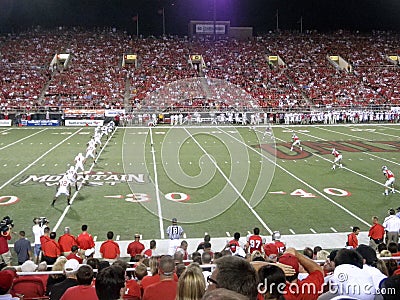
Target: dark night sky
324, 15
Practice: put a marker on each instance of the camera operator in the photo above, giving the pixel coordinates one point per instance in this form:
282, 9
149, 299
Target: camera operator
38, 231
5, 235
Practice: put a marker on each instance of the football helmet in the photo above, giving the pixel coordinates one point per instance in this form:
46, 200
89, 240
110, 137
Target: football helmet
384, 168
276, 235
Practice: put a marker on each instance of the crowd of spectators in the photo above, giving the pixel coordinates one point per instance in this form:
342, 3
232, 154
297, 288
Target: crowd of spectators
95, 77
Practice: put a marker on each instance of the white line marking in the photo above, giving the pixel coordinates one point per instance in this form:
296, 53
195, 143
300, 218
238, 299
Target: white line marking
312, 230
8, 145
228, 234
230, 183
117, 237
160, 219
36, 160
333, 229
95, 238
292, 231
305, 183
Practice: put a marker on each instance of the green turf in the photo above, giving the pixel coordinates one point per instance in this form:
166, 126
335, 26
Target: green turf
207, 157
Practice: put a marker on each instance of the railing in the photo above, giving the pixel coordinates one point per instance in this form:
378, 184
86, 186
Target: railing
16, 109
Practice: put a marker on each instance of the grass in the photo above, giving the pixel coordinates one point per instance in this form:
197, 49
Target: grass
232, 183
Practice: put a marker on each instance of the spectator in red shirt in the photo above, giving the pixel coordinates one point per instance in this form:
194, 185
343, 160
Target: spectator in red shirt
132, 288
167, 286
135, 248
5, 253
51, 250
151, 251
109, 250
315, 278
74, 254
66, 241
84, 289
30, 286
45, 237
85, 240
376, 233
352, 239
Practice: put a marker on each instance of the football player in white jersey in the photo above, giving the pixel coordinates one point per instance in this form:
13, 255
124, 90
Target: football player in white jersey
72, 176
296, 142
268, 131
389, 184
63, 187
97, 139
79, 161
91, 152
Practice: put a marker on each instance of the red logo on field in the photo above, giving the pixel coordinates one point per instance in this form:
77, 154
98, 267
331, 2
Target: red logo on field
282, 150
8, 200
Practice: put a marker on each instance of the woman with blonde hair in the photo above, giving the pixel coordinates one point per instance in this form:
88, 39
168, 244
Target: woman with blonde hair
56, 278
191, 284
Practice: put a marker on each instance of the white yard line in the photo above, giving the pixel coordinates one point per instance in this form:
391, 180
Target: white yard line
39, 158
160, 218
230, 183
20, 140
302, 181
80, 186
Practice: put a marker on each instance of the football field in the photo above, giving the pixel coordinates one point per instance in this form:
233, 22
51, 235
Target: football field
217, 180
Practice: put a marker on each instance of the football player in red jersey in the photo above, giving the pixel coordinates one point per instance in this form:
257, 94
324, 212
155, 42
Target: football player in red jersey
255, 242
337, 160
389, 184
276, 238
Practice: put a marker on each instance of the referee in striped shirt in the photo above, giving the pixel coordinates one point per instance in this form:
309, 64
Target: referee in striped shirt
174, 233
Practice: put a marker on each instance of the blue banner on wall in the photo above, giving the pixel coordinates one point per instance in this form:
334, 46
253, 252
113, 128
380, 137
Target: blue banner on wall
40, 123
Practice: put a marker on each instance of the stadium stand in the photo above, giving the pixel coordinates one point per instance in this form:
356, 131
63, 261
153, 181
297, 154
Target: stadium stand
95, 78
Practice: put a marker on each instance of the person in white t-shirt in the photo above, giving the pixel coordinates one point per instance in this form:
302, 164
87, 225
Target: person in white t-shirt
38, 231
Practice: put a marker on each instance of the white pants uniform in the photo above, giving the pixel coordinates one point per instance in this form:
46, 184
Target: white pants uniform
338, 158
79, 165
389, 182
296, 143
63, 189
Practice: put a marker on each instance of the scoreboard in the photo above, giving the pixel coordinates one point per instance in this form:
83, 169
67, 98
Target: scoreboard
206, 28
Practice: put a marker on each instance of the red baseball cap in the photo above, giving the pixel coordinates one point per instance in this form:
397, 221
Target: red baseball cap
290, 260
270, 249
6, 279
